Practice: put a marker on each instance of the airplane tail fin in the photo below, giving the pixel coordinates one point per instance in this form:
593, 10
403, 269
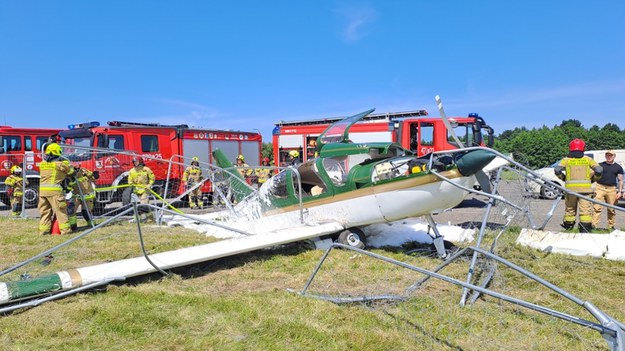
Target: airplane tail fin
231, 176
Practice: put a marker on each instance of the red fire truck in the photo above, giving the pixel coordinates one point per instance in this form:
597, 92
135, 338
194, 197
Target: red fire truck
414, 130
155, 142
22, 147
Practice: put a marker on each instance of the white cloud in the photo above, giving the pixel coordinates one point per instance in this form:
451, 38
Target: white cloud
190, 113
356, 21
545, 94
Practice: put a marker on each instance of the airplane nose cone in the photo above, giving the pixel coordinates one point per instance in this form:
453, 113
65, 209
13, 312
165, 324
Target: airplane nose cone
473, 161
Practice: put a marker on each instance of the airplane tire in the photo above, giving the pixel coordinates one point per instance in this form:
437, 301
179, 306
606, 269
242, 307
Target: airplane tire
353, 237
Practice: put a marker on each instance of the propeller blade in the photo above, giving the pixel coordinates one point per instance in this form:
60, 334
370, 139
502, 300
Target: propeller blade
484, 181
439, 103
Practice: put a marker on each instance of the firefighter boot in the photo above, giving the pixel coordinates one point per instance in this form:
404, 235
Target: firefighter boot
200, 204
568, 225
585, 227
16, 209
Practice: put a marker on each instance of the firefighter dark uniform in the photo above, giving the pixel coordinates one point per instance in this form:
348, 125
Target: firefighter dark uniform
53, 171
578, 170
15, 183
142, 178
83, 190
191, 177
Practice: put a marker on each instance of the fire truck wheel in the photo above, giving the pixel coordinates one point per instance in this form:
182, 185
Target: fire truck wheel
98, 208
31, 195
5, 199
352, 237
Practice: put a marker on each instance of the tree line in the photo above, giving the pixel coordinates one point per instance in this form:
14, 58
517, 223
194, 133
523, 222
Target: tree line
541, 147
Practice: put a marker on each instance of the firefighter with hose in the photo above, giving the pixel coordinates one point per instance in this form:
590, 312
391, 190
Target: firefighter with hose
53, 170
142, 178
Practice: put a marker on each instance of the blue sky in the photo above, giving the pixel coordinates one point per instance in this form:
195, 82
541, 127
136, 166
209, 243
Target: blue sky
245, 65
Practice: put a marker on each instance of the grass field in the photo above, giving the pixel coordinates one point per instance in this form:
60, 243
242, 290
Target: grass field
242, 302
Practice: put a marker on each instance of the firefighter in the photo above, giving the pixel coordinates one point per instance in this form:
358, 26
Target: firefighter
245, 168
191, 177
55, 138
578, 170
312, 149
293, 158
15, 189
263, 174
53, 171
142, 178
83, 195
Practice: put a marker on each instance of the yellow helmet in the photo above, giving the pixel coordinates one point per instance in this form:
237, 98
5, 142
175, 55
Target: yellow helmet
294, 153
195, 161
16, 169
240, 157
54, 149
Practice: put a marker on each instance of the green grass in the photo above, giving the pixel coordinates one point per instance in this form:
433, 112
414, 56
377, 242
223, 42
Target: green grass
241, 303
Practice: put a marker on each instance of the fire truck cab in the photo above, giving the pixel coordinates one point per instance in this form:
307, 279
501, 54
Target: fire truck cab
412, 129
22, 147
154, 142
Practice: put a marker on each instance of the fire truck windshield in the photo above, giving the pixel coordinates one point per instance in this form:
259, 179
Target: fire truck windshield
77, 149
464, 132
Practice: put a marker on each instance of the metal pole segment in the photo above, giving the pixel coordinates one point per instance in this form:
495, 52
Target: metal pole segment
491, 202
299, 188
316, 270
576, 320
550, 213
419, 282
532, 276
49, 251
23, 211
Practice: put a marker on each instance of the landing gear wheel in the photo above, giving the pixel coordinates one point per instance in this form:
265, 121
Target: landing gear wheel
353, 237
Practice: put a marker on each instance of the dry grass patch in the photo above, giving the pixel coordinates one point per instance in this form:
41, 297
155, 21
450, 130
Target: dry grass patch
241, 302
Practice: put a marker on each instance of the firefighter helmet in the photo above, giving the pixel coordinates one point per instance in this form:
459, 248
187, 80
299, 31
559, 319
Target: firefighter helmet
240, 157
195, 161
16, 169
54, 149
55, 138
577, 145
294, 153
137, 161
266, 160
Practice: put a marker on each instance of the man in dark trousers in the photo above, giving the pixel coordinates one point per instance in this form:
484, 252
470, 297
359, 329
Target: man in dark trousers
577, 170
606, 188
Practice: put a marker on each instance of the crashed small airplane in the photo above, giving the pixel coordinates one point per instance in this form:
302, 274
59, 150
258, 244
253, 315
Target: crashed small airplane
357, 184
348, 186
